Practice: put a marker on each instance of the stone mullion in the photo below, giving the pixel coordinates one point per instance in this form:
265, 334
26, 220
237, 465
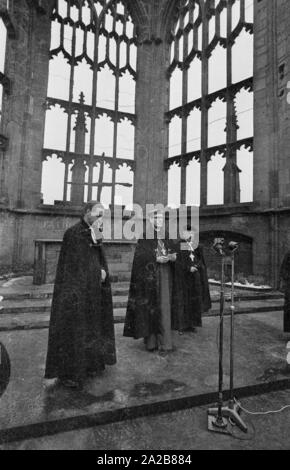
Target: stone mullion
93, 113
69, 119
231, 176
242, 11
78, 171
184, 122
115, 142
204, 114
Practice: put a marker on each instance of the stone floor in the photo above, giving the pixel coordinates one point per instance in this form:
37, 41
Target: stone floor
141, 384
183, 430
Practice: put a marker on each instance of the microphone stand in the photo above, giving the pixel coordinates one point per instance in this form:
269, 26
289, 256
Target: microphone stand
219, 416
216, 418
233, 407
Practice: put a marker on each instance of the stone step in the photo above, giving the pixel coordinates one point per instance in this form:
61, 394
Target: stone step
44, 305
45, 292
120, 287
121, 277
25, 306
120, 284
119, 268
113, 256
123, 258
120, 291
120, 301
119, 314
40, 320
22, 293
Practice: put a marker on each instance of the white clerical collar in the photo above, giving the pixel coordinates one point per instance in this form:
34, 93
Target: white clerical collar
93, 235
190, 244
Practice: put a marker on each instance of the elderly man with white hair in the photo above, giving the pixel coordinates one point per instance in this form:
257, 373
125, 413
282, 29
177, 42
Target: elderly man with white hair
81, 334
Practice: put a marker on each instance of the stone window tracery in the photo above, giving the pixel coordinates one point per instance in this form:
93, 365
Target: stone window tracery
210, 157
90, 119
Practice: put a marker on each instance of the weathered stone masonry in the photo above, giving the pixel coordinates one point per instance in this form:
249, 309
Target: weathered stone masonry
266, 221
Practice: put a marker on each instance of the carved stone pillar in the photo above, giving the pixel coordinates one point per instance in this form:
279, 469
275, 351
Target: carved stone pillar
231, 170
79, 168
77, 183
231, 182
23, 109
152, 91
152, 130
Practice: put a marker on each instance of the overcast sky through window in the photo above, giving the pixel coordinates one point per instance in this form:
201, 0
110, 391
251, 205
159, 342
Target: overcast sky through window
56, 118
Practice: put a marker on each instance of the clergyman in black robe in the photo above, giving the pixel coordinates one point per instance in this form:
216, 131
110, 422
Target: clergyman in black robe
81, 332
285, 287
191, 295
149, 305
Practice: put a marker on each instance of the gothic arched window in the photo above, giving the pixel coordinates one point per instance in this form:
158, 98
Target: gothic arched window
89, 132
211, 103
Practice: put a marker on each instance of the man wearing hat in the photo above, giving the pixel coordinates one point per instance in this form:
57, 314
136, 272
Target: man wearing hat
191, 295
149, 306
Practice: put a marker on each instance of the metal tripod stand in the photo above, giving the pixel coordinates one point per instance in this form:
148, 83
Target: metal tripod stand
219, 417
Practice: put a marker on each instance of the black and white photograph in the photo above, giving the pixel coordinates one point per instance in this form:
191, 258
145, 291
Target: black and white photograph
144, 227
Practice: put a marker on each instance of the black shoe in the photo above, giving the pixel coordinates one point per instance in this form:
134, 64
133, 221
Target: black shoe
152, 350
95, 373
166, 352
71, 384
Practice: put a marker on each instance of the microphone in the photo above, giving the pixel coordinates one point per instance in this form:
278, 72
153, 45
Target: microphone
233, 246
218, 245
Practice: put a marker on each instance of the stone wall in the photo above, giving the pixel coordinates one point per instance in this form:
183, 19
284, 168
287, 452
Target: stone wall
247, 226
265, 222
119, 257
20, 229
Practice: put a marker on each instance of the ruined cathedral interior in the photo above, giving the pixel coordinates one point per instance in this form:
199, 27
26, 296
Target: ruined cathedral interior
173, 102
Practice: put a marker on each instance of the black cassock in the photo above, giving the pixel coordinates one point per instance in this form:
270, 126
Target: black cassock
149, 304
191, 295
285, 277
81, 331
